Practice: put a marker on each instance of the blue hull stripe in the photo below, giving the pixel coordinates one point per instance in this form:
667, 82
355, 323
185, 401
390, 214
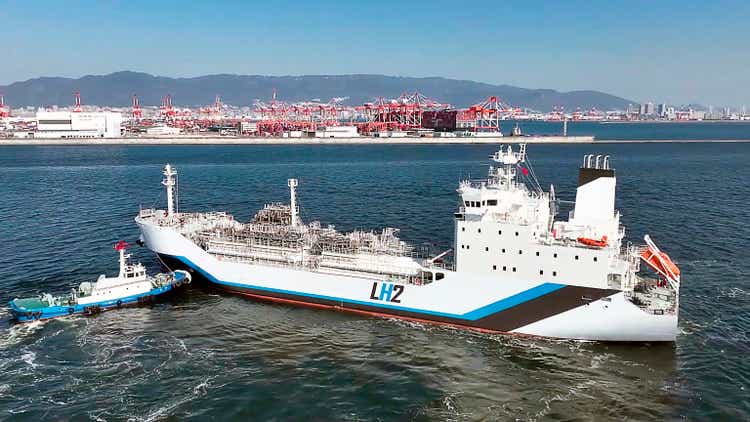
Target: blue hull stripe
474, 315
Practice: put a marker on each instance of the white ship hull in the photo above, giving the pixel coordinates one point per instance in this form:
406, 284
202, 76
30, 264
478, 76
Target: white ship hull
476, 301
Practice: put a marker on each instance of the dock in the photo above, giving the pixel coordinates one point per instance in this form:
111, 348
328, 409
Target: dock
362, 140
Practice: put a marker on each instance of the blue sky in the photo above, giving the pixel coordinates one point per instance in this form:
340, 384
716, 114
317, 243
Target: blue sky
672, 51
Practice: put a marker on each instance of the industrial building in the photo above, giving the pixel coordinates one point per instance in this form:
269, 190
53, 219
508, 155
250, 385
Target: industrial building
71, 125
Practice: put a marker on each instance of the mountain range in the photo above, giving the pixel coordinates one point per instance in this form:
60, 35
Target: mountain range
116, 89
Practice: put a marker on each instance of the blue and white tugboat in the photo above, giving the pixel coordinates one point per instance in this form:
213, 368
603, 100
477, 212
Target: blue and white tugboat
131, 286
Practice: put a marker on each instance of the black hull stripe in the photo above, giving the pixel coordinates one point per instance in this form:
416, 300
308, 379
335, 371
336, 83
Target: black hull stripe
553, 303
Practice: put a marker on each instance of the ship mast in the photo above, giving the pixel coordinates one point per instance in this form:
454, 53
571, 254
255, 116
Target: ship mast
169, 183
120, 247
293, 200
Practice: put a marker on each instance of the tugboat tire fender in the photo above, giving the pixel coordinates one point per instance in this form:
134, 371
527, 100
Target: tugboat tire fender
119, 303
71, 311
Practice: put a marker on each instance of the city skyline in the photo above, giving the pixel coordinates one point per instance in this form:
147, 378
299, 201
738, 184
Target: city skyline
666, 52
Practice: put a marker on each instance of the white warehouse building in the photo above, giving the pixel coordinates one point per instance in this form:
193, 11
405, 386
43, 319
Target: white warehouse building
66, 124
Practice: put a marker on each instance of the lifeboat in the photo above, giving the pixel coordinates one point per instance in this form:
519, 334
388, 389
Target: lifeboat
660, 261
593, 242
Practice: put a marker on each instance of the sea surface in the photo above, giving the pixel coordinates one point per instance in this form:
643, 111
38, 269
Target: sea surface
638, 131
201, 355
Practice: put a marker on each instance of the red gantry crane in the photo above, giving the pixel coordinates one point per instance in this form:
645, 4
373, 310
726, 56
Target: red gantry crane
77, 108
137, 114
4, 111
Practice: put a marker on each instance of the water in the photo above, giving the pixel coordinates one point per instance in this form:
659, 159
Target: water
639, 131
200, 354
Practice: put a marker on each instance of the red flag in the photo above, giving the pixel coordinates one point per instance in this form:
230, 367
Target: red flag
524, 171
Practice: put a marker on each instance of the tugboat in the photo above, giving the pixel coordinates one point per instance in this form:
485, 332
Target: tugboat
131, 286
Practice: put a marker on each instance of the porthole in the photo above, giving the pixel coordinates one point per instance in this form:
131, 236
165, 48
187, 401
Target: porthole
503, 250
516, 233
520, 252
505, 268
494, 267
514, 269
541, 272
554, 255
576, 257
486, 249
554, 273
500, 232
537, 253
463, 229
595, 259
462, 246
479, 230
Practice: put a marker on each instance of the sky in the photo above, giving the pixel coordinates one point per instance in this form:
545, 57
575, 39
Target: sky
676, 52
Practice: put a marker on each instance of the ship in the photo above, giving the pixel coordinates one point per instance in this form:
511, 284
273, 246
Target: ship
515, 267
131, 286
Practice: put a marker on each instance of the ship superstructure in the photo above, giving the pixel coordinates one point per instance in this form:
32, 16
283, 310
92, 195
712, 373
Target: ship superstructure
516, 268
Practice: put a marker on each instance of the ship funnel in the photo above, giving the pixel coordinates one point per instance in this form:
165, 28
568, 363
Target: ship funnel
595, 196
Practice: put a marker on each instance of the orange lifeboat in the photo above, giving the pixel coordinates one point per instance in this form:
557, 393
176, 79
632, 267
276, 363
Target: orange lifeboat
593, 242
660, 262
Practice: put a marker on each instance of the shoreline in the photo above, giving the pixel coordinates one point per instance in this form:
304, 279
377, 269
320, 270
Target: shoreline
347, 141
226, 140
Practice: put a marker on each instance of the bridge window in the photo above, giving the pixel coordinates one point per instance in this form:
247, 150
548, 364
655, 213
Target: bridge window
486, 249
505, 268
514, 269
516, 233
554, 255
500, 232
439, 276
492, 202
503, 250
463, 229
554, 273
537, 253
479, 230
541, 272
520, 252
595, 259
576, 257
494, 267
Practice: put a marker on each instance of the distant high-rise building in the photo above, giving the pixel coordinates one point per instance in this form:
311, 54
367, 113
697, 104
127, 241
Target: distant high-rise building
647, 108
661, 110
642, 110
727, 113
